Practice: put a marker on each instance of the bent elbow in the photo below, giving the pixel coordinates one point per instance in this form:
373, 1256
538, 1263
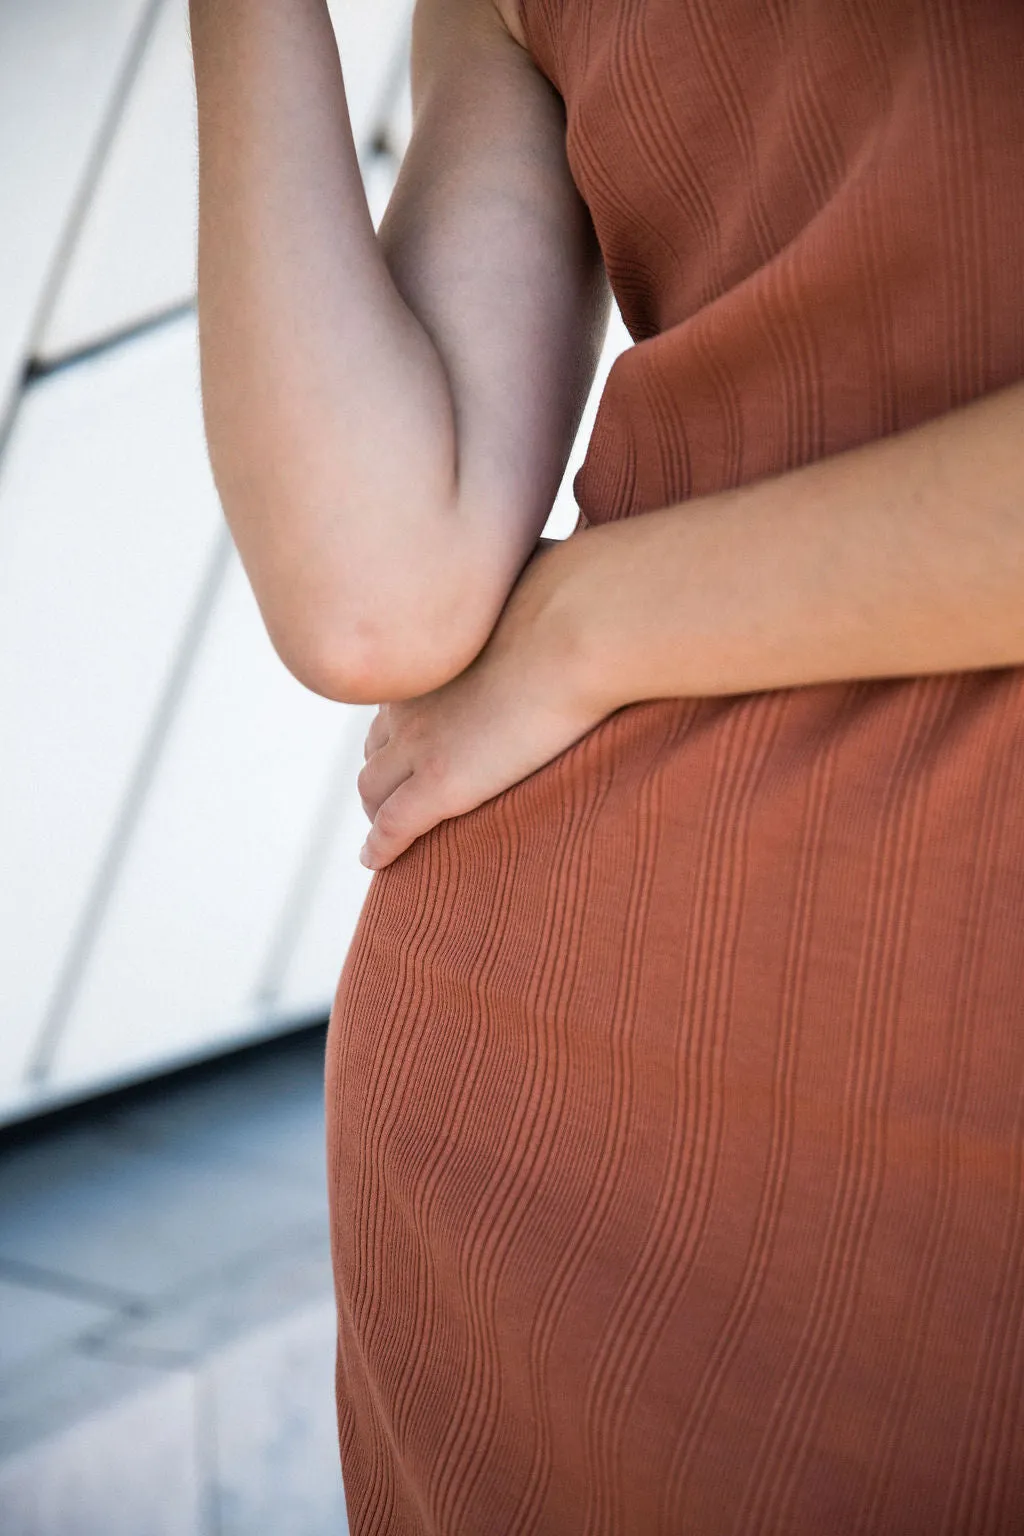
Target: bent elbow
365, 663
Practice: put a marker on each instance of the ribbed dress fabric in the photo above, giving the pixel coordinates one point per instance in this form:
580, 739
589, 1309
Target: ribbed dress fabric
676, 1095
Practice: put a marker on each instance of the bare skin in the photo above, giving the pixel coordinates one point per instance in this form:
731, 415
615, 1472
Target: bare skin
388, 419
387, 545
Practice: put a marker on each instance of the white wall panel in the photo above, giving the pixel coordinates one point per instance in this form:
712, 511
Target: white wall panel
371, 42
379, 174
207, 880
134, 255
397, 130
108, 519
564, 512
336, 894
60, 62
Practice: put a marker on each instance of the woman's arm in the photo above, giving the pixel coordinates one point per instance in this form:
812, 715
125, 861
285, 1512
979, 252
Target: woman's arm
388, 419
900, 558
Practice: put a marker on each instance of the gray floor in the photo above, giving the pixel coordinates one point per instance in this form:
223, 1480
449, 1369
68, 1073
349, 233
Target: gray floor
166, 1321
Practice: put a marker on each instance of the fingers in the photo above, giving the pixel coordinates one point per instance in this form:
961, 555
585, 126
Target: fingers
380, 776
403, 817
378, 734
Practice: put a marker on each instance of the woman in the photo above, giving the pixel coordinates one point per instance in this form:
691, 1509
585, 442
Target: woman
676, 1073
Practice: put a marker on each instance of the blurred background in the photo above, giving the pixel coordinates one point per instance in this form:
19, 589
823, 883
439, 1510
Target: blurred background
179, 829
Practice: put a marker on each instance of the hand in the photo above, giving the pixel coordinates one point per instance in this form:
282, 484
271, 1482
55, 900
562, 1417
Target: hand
519, 704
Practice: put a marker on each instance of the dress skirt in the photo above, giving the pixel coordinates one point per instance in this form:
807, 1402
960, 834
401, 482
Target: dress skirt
676, 1133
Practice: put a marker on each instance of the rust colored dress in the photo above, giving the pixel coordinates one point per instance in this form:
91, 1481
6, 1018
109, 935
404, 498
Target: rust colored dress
676, 1095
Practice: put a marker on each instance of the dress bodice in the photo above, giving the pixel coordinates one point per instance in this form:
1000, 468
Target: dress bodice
811, 217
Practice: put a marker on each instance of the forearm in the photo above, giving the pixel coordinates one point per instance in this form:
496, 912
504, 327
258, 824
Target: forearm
312, 363
389, 416
901, 558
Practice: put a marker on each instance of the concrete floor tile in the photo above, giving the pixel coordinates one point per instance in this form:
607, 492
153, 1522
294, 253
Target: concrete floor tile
36, 1322
271, 1398
131, 1470
193, 1220
139, 1222
245, 1298
267, 1114
45, 1396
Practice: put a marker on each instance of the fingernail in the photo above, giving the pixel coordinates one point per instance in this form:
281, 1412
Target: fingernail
364, 856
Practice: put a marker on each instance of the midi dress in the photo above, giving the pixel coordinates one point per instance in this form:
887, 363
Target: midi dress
676, 1095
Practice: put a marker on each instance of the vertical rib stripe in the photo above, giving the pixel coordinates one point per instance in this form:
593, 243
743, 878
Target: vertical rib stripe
689, 1433
506, 1209
631, 1328
890, 885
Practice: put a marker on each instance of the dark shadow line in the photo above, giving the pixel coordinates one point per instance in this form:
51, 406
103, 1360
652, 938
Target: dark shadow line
105, 137
93, 1105
39, 368
63, 249
37, 1278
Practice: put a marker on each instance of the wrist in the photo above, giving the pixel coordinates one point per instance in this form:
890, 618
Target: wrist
568, 629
